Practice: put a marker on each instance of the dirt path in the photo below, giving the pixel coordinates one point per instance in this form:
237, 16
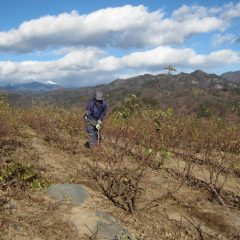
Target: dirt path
59, 165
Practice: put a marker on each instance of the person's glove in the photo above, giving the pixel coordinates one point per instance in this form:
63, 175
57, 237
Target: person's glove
98, 125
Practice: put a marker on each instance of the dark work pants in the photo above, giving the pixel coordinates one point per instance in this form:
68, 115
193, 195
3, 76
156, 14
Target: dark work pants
92, 132
93, 135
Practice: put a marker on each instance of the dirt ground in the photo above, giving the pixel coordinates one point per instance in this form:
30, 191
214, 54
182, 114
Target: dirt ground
190, 213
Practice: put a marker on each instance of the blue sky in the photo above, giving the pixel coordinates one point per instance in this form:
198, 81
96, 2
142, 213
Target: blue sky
79, 43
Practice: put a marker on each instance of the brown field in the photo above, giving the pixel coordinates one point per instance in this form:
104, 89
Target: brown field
162, 176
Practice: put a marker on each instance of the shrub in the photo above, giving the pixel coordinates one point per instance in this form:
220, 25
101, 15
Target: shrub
21, 174
129, 105
8, 120
204, 110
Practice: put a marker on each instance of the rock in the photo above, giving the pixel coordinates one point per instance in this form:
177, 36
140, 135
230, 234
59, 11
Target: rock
98, 224
74, 192
87, 221
110, 228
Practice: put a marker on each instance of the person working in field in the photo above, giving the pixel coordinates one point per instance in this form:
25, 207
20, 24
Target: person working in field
96, 110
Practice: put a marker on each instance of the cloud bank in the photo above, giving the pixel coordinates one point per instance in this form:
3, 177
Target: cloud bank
122, 27
92, 66
84, 42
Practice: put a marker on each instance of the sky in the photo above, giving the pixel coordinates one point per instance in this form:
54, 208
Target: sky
85, 43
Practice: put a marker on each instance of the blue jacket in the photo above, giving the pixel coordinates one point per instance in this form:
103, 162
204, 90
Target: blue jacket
95, 112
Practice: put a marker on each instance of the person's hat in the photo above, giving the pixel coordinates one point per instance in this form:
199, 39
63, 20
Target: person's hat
99, 95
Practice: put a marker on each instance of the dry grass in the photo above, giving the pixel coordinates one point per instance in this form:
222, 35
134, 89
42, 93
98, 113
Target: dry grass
148, 165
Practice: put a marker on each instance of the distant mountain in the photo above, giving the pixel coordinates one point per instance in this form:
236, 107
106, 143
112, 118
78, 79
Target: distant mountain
179, 82
31, 86
232, 76
186, 93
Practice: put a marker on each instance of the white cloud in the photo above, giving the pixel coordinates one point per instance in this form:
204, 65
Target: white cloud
180, 57
156, 57
194, 11
109, 64
231, 10
223, 57
80, 59
123, 27
220, 39
92, 66
65, 69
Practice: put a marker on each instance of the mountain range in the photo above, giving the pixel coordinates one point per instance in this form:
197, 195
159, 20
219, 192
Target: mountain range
232, 76
184, 92
31, 86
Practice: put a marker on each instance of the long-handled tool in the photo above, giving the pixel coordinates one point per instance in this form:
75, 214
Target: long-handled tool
98, 131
